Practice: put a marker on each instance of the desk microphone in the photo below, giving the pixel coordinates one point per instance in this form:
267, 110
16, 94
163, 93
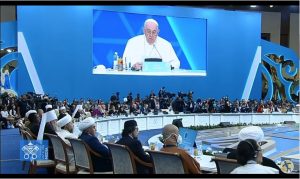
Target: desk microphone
157, 51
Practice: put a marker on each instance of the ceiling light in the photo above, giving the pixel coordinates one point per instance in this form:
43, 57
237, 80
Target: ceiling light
253, 6
271, 6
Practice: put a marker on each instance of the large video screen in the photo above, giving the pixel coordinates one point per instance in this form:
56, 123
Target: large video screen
184, 38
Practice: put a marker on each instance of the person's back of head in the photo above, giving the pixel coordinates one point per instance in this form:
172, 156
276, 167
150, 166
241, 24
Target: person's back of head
177, 123
247, 150
33, 118
170, 134
129, 128
251, 132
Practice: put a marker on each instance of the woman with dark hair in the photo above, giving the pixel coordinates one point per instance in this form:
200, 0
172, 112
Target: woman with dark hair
129, 138
249, 155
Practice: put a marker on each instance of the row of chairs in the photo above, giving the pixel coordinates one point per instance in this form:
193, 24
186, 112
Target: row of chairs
123, 159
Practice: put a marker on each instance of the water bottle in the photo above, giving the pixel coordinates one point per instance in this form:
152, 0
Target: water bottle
120, 64
125, 66
199, 147
116, 57
117, 139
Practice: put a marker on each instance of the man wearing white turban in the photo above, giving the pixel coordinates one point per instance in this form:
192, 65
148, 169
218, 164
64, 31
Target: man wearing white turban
48, 107
88, 128
251, 132
67, 132
48, 125
67, 127
34, 124
257, 134
62, 112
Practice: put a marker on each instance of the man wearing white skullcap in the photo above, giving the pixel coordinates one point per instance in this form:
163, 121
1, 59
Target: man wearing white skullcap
257, 134
79, 113
88, 128
27, 121
62, 112
30, 112
48, 107
34, 124
67, 132
48, 125
67, 127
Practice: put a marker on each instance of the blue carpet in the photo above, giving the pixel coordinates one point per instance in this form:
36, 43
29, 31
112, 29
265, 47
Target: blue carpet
13, 167
10, 148
5, 132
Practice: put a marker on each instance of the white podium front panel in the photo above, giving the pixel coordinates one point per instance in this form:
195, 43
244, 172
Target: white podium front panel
142, 123
188, 120
168, 119
246, 118
102, 127
114, 127
154, 122
202, 120
233, 119
261, 118
215, 119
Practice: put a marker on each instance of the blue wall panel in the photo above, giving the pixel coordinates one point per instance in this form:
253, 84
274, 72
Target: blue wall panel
60, 42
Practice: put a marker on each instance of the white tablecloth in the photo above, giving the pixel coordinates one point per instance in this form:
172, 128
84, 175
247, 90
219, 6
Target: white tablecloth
206, 164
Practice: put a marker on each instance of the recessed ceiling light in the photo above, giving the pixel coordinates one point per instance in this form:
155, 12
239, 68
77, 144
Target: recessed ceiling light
253, 6
271, 6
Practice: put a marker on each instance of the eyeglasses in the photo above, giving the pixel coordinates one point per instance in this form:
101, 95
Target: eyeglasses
137, 128
149, 32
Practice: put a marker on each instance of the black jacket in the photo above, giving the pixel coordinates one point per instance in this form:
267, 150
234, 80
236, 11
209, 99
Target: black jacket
136, 147
99, 164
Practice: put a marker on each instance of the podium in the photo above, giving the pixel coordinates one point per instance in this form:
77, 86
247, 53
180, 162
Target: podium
156, 67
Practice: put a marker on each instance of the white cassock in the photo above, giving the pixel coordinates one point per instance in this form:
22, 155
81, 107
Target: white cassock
63, 134
137, 49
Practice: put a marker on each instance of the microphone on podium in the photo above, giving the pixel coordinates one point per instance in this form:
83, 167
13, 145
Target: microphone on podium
157, 51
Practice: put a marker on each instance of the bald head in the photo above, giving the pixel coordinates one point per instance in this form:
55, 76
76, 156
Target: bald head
168, 130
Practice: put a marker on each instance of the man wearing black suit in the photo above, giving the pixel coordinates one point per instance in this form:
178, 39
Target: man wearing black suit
129, 138
88, 128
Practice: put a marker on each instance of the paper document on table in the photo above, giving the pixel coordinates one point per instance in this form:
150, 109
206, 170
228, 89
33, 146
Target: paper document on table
188, 137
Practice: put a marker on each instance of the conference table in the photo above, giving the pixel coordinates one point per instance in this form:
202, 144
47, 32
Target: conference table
204, 160
177, 72
111, 125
